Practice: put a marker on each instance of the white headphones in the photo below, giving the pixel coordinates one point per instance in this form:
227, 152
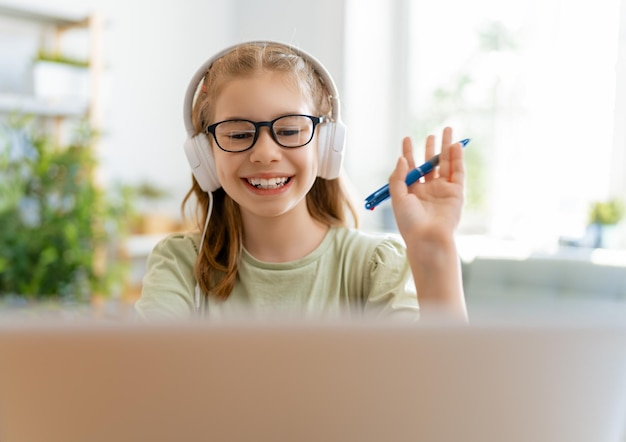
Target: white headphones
331, 134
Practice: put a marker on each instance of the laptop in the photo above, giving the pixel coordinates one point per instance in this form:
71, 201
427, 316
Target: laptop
92, 382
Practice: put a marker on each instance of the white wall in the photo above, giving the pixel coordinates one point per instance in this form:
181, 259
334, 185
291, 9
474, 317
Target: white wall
152, 49
375, 98
618, 159
316, 27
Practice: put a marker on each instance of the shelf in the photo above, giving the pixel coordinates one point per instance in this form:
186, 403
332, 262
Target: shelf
25, 104
42, 16
71, 96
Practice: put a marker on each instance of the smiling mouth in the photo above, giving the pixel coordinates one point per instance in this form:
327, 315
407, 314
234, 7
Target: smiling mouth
270, 183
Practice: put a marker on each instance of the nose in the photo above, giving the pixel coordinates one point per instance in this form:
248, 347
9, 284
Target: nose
265, 150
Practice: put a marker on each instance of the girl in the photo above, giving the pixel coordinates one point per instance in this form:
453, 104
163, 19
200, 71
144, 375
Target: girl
265, 147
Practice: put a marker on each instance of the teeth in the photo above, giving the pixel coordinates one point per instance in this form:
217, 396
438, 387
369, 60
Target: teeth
271, 183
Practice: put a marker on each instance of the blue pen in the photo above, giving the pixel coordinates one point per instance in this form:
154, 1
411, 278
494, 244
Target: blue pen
412, 177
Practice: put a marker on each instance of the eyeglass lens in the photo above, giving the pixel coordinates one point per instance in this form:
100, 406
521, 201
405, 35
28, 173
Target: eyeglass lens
288, 131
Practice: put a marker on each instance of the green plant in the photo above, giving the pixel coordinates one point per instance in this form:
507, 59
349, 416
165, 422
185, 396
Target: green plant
56, 57
56, 224
149, 191
606, 212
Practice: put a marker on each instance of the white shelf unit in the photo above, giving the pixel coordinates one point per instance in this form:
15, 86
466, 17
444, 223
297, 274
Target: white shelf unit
52, 26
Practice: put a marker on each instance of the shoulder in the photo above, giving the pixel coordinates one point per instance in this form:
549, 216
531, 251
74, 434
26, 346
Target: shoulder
368, 250
177, 250
371, 244
377, 270
177, 244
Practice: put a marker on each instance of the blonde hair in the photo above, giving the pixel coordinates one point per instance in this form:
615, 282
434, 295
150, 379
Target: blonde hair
327, 201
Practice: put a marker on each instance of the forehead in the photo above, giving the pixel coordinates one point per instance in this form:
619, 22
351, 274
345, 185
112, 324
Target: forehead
263, 95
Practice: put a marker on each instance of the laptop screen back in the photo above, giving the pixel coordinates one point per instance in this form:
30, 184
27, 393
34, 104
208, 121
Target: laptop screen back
311, 382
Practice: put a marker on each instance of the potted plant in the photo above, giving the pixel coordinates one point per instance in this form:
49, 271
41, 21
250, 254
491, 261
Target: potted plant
149, 219
604, 216
57, 227
57, 77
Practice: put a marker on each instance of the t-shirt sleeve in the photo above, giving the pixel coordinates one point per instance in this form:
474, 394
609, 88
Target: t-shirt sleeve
389, 283
169, 282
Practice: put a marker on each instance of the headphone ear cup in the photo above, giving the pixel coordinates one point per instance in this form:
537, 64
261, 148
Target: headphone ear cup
202, 163
330, 144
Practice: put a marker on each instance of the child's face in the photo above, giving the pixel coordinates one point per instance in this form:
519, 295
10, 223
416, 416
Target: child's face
291, 171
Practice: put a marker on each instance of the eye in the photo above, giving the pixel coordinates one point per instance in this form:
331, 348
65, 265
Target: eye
239, 135
288, 131
235, 131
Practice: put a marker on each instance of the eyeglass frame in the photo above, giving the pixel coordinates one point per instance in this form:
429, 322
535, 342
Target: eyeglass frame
270, 124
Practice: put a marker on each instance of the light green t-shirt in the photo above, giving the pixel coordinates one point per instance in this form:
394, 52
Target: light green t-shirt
350, 274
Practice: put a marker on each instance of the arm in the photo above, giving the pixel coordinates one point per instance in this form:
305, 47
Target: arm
427, 214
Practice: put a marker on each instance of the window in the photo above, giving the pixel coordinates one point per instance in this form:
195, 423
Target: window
532, 83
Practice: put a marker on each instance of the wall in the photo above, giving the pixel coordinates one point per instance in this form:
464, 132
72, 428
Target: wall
152, 49
375, 98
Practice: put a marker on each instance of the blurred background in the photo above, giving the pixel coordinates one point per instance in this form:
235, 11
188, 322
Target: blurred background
539, 86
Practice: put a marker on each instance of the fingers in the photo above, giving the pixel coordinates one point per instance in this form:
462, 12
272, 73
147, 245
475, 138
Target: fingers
457, 169
407, 152
429, 152
446, 138
451, 167
397, 185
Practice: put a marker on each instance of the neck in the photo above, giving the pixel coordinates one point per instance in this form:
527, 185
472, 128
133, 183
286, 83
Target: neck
282, 238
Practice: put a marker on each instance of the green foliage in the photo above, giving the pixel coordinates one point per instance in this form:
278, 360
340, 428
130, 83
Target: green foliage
149, 191
56, 57
606, 212
54, 221
494, 36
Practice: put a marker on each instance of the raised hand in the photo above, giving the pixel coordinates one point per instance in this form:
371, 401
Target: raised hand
427, 214
429, 210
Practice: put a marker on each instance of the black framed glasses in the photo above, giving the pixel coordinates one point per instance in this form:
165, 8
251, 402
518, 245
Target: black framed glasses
288, 131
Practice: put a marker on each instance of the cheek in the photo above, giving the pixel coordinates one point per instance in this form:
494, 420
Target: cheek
221, 165
314, 155
309, 161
